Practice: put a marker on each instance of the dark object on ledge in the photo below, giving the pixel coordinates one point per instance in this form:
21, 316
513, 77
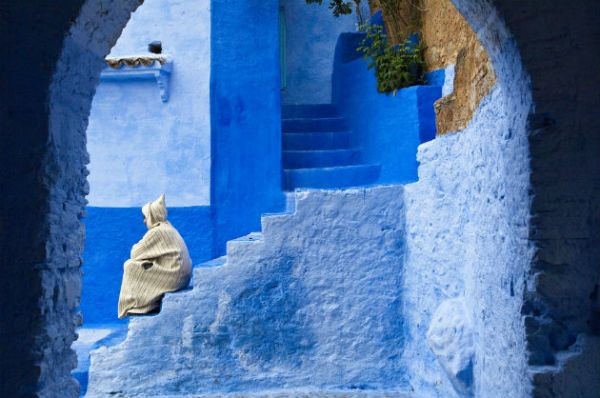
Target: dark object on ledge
155, 47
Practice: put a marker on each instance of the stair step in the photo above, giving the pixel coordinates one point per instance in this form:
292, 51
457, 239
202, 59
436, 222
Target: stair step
313, 124
323, 140
320, 158
309, 110
250, 238
244, 241
331, 177
215, 262
290, 202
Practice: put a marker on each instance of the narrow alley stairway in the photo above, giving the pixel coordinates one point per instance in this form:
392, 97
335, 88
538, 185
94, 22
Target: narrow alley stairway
319, 152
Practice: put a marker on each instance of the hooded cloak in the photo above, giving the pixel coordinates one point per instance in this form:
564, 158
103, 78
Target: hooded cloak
159, 263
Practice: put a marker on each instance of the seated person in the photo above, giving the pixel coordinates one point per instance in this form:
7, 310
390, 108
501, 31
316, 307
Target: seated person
159, 263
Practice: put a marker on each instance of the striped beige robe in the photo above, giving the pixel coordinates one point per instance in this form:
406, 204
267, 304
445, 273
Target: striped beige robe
159, 263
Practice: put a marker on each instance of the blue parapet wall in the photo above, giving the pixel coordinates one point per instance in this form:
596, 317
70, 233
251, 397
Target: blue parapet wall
388, 128
110, 233
245, 116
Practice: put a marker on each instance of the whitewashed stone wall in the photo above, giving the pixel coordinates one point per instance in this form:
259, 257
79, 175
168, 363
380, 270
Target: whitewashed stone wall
466, 239
43, 183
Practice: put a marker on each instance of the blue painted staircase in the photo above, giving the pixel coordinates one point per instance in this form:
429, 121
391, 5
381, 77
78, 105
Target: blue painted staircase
318, 150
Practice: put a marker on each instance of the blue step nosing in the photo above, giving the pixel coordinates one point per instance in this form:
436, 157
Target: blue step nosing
309, 110
307, 141
332, 177
320, 158
313, 124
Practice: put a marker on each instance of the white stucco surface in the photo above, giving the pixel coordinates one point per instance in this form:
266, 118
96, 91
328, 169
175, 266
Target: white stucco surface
311, 304
140, 146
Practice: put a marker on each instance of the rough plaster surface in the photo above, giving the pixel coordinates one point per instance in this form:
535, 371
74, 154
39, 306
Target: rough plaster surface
311, 33
450, 337
449, 40
313, 302
467, 237
473, 79
140, 146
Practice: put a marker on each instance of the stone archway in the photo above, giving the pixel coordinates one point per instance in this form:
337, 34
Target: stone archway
49, 88
559, 48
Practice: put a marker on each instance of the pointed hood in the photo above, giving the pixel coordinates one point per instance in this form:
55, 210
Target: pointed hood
155, 212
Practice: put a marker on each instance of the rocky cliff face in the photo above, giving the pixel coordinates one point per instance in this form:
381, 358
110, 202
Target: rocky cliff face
449, 40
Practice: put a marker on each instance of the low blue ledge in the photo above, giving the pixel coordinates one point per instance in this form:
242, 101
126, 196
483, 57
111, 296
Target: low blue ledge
157, 69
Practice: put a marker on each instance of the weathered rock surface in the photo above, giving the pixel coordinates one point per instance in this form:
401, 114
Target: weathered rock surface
449, 40
474, 78
314, 301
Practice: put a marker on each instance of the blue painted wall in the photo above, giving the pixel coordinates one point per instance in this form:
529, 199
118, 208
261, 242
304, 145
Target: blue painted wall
245, 116
388, 128
311, 36
110, 233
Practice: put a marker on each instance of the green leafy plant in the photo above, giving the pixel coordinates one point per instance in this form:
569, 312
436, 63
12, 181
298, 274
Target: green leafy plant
396, 66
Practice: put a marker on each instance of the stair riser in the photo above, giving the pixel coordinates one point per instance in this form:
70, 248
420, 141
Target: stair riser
315, 141
309, 111
331, 178
307, 125
308, 159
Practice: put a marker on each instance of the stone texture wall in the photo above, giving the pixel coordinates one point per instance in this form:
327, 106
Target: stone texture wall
467, 241
450, 40
43, 183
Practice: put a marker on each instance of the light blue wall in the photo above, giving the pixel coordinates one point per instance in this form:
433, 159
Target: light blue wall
245, 116
311, 35
140, 146
388, 128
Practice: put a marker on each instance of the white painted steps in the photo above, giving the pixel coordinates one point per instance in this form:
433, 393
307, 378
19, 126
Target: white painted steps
311, 305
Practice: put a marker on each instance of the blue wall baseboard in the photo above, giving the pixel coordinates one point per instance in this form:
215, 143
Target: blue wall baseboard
110, 233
